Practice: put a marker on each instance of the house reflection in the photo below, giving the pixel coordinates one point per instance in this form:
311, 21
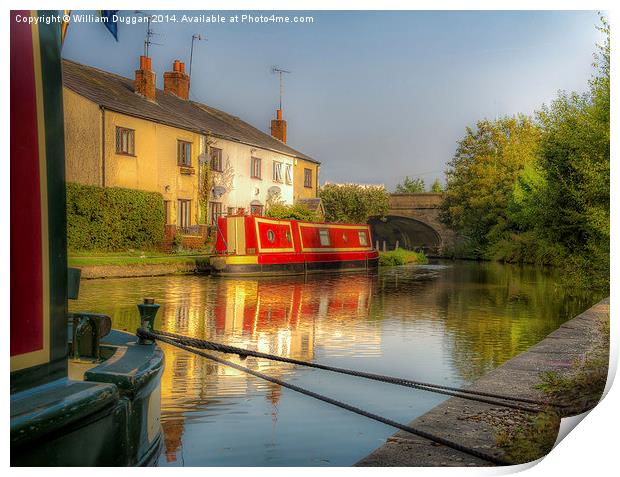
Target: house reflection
281, 317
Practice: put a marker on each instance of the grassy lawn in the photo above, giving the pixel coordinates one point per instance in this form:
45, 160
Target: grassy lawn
401, 257
133, 257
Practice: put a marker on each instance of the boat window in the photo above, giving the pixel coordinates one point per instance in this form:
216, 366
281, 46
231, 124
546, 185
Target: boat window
288, 236
345, 239
324, 237
271, 236
363, 239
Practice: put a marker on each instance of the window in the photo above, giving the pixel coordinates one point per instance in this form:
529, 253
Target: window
216, 159
256, 209
184, 153
289, 174
277, 171
256, 168
184, 208
125, 141
324, 237
363, 238
167, 212
307, 177
215, 211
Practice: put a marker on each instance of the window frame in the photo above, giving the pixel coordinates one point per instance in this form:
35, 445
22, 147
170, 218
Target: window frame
277, 166
131, 151
259, 207
362, 234
308, 175
253, 161
324, 233
185, 216
216, 152
215, 211
184, 148
288, 174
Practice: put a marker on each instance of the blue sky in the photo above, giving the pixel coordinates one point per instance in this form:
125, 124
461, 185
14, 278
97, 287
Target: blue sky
374, 96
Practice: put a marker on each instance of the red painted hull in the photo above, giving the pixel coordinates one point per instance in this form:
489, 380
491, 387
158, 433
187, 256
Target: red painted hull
249, 245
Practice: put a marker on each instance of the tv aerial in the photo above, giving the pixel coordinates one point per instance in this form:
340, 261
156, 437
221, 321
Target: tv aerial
279, 71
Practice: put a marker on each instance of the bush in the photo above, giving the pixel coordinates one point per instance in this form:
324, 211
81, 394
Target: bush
401, 257
353, 203
294, 212
112, 218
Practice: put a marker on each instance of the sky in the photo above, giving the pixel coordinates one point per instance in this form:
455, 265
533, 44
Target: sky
373, 96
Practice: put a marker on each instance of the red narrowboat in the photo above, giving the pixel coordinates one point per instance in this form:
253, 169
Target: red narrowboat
253, 245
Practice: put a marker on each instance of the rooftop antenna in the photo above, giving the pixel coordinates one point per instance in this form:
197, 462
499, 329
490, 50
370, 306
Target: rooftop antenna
149, 32
279, 71
191, 52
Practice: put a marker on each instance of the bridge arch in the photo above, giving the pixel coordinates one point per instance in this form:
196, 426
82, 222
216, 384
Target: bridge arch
411, 234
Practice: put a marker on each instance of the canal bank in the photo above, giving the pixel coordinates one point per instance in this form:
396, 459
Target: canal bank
479, 425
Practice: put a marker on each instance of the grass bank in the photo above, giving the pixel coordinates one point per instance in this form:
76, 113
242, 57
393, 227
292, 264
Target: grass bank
530, 437
401, 257
132, 257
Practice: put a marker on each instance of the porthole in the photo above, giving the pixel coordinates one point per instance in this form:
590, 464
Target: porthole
271, 236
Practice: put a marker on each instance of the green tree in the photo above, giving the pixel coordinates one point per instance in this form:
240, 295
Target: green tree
410, 186
436, 187
295, 212
353, 203
481, 177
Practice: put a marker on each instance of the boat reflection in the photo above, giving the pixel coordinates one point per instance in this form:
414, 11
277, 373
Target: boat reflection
281, 317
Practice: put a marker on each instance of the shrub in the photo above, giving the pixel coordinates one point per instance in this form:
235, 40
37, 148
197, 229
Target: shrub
294, 212
401, 257
112, 218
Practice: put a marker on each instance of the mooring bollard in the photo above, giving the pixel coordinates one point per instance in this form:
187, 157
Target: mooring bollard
148, 309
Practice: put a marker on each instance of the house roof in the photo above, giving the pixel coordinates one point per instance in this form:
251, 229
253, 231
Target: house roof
116, 93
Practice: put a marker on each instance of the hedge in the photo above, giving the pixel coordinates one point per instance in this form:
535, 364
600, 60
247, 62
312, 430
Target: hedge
112, 218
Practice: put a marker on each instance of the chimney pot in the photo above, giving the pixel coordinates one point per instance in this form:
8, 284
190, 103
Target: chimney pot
144, 83
177, 81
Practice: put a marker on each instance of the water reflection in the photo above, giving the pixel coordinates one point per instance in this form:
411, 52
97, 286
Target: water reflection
439, 323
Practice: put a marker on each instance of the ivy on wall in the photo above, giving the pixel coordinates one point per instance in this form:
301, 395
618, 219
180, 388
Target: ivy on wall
112, 218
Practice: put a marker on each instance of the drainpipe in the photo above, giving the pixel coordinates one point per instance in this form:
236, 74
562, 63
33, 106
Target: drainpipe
102, 146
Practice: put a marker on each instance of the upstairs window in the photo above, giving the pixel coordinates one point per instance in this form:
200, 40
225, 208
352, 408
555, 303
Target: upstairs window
184, 153
307, 177
277, 171
125, 141
256, 168
216, 159
289, 174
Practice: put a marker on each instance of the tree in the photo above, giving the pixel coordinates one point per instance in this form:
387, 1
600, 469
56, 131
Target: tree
436, 187
294, 212
410, 186
481, 176
353, 203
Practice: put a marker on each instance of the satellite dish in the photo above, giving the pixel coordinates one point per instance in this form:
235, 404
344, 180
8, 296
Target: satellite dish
219, 191
274, 190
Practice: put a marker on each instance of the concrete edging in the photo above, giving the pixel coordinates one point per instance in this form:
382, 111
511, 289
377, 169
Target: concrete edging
455, 419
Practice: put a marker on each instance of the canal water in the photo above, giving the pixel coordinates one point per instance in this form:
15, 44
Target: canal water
447, 323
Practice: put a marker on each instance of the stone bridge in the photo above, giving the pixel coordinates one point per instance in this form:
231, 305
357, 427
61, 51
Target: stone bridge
413, 221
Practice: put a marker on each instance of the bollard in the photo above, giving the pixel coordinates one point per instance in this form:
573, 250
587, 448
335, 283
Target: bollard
396, 247
148, 309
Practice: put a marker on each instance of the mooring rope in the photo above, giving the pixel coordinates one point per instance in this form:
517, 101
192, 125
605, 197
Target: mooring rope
479, 396
412, 430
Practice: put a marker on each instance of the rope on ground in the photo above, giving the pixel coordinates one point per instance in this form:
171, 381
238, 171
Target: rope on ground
418, 432
479, 396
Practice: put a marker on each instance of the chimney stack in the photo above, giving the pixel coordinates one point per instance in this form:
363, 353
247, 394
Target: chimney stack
177, 81
144, 84
278, 126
